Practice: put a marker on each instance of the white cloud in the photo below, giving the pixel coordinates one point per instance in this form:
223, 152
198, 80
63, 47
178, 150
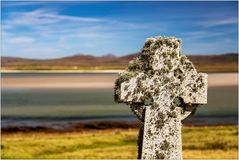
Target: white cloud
34, 50
43, 17
46, 50
202, 34
218, 22
20, 40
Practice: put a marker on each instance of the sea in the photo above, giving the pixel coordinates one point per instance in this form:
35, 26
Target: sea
61, 105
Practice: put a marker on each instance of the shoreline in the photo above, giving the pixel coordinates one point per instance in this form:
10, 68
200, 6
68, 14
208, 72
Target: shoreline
61, 71
90, 71
64, 124
88, 127
87, 80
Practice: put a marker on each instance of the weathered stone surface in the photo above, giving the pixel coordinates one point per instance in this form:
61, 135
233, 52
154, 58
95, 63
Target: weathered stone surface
162, 88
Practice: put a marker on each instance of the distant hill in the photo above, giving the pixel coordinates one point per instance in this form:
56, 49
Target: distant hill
208, 63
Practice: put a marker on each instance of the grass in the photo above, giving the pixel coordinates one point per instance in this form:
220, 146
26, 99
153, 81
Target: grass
198, 142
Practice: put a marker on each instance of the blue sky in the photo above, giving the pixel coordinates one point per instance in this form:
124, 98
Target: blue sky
58, 29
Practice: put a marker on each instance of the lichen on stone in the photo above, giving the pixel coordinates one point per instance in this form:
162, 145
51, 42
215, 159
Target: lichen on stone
159, 155
162, 87
165, 145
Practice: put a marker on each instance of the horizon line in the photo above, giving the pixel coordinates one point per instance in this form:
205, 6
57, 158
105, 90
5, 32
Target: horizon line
113, 55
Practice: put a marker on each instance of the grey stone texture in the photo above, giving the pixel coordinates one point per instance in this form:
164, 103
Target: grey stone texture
162, 87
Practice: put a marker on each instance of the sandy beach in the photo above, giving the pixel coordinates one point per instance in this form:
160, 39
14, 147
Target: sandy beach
222, 79
94, 81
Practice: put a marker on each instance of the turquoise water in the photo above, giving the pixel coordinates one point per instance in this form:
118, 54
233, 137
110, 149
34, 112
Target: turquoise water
21, 105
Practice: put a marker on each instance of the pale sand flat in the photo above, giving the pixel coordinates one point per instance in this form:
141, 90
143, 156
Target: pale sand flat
222, 79
96, 81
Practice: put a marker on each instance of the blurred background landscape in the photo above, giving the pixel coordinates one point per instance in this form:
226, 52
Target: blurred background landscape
205, 63
57, 104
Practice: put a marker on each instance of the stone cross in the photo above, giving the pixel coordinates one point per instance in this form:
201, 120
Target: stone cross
162, 88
